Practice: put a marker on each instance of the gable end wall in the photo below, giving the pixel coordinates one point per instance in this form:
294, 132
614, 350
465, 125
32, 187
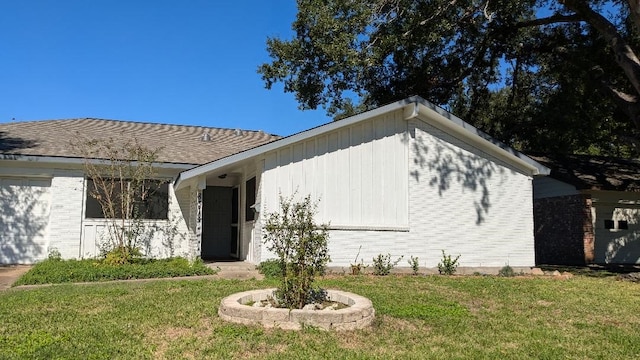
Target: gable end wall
466, 203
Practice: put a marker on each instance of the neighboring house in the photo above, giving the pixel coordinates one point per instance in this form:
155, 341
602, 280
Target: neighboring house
588, 211
406, 179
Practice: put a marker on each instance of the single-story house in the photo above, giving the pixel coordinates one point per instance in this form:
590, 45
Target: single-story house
408, 178
587, 211
44, 198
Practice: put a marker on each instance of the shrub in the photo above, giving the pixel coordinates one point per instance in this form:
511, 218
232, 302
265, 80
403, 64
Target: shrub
382, 264
301, 246
120, 255
54, 255
358, 267
415, 264
271, 268
448, 266
89, 270
507, 271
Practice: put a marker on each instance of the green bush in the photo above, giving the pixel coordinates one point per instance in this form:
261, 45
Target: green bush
382, 264
301, 247
507, 271
271, 268
415, 264
52, 271
448, 266
120, 255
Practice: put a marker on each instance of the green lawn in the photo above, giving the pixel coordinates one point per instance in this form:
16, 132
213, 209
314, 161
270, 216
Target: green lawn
417, 317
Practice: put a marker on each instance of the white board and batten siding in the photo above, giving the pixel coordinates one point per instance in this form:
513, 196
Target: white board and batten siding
358, 175
387, 185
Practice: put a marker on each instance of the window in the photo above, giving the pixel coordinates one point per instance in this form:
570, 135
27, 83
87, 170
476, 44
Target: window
151, 200
250, 188
609, 224
623, 225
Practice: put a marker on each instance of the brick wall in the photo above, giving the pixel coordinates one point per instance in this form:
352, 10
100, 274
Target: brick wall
563, 230
65, 221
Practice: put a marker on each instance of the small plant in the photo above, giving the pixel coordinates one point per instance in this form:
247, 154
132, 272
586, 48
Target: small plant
122, 255
507, 271
382, 264
448, 266
414, 263
54, 255
301, 247
271, 268
358, 267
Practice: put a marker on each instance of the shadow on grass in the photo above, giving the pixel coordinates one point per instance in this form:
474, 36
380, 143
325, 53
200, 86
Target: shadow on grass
607, 270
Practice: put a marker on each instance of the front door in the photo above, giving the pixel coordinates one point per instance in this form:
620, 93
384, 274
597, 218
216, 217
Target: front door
217, 231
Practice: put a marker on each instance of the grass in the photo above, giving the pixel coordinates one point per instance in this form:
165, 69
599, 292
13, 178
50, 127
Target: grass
52, 271
433, 317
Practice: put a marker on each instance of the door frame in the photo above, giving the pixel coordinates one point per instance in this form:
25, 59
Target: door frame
235, 192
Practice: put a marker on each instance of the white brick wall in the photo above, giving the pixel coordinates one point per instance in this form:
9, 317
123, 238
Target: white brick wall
65, 220
461, 200
466, 203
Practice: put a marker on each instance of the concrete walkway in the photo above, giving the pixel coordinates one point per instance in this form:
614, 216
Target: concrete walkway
236, 270
10, 274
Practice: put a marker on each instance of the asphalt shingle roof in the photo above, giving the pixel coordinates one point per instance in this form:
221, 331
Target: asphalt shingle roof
587, 172
179, 143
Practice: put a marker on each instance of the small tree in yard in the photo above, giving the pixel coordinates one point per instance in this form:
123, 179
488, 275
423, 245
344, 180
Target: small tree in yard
120, 179
301, 246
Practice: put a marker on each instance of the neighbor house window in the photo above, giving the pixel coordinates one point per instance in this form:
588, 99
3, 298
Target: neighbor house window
154, 205
250, 188
609, 224
623, 225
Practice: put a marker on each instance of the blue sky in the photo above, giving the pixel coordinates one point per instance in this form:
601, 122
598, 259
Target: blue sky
181, 62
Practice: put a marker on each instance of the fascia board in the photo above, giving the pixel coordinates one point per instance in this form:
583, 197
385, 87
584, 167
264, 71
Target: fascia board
81, 161
453, 125
301, 136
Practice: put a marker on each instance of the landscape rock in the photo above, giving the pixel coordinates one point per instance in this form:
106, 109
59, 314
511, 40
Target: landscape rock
537, 271
567, 275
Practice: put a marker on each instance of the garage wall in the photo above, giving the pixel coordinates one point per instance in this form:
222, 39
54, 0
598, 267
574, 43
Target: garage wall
24, 218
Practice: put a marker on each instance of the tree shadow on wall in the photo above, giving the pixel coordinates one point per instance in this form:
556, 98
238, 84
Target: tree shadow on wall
9, 144
624, 246
441, 165
23, 221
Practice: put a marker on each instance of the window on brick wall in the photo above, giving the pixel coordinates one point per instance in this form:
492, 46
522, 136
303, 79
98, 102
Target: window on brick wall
153, 206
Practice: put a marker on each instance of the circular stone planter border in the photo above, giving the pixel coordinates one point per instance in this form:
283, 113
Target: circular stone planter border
358, 315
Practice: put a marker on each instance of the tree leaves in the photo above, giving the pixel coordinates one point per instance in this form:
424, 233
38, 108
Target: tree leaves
542, 75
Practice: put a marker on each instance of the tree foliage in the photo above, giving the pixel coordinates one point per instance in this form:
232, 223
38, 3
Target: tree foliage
545, 75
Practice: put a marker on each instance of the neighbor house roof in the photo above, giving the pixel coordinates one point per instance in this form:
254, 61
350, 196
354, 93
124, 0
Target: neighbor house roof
412, 107
587, 172
180, 144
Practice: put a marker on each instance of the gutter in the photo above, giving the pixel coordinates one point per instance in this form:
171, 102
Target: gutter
81, 161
